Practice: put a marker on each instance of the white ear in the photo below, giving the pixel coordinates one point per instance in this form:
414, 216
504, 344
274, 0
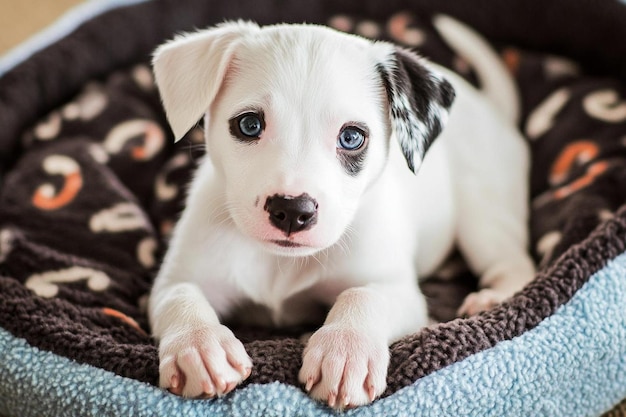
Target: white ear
190, 69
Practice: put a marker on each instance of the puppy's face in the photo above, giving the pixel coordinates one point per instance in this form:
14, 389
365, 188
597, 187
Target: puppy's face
298, 130
298, 121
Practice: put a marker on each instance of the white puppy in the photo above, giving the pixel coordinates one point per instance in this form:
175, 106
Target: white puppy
305, 201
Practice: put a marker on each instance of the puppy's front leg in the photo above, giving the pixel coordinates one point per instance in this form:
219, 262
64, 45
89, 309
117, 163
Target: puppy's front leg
198, 356
345, 362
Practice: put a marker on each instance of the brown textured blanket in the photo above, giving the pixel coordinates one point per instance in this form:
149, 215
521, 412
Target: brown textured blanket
92, 189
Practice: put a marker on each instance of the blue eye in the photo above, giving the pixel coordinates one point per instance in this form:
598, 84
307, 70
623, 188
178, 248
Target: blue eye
250, 125
350, 138
247, 126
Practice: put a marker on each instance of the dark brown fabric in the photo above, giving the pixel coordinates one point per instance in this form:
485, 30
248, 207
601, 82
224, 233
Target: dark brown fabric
96, 184
618, 411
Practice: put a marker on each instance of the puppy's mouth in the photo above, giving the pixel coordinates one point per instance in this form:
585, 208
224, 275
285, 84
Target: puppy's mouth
285, 247
287, 244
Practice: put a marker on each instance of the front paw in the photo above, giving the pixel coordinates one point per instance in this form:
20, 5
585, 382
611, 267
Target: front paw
205, 361
345, 367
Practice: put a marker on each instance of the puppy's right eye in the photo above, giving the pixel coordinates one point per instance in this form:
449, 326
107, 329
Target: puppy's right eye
247, 126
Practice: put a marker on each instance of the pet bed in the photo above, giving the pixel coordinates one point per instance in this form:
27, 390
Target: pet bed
92, 184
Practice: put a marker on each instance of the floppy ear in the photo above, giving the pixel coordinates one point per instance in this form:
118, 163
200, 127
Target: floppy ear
418, 102
189, 71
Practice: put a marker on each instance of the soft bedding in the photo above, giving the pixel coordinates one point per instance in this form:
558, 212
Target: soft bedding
92, 185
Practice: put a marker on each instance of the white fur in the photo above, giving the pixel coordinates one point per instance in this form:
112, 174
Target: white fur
376, 231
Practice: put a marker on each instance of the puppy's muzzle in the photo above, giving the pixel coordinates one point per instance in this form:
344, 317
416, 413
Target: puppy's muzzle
291, 214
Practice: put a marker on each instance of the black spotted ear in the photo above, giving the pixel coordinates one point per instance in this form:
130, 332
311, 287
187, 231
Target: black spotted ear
419, 101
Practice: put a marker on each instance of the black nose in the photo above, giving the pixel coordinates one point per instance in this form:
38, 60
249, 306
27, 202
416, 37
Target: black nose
291, 214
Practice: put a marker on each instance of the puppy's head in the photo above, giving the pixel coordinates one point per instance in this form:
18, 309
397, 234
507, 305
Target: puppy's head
298, 120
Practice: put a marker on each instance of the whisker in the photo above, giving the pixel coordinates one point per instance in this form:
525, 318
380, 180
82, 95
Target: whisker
319, 262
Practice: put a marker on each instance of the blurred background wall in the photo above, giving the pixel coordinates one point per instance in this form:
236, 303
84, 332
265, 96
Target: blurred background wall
20, 19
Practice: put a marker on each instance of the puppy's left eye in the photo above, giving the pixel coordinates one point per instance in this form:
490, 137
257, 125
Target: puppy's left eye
350, 138
247, 126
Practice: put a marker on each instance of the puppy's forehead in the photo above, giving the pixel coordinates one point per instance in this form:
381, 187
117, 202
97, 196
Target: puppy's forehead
308, 62
294, 42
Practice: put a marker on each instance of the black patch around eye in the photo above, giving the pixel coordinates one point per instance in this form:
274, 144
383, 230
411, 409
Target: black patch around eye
353, 162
